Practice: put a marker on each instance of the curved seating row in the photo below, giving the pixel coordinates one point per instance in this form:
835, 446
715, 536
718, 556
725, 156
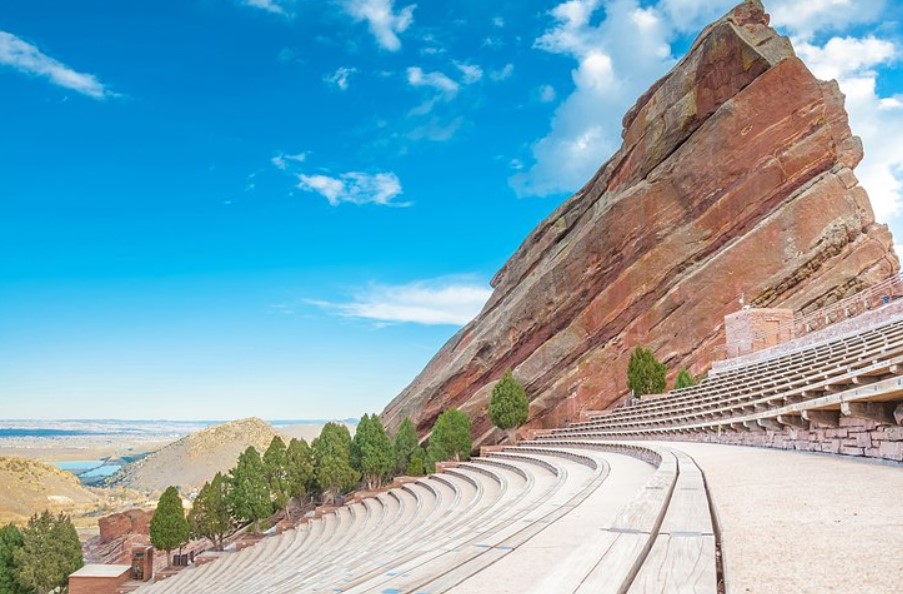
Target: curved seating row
435, 533
837, 375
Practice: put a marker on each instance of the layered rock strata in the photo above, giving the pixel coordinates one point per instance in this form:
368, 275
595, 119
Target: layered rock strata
735, 178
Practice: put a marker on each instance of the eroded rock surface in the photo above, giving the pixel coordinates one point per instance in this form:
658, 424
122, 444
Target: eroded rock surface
735, 177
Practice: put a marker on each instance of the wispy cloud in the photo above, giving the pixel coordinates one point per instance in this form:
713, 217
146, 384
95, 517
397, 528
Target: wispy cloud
503, 73
384, 22
436, 80
340, 77
355, 187
282, 160
280, 7
28, 59
443, 301
470, 73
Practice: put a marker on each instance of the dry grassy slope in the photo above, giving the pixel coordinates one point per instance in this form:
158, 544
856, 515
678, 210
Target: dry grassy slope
29, 486
191, 461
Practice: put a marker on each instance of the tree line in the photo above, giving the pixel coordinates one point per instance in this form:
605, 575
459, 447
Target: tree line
39, 558
331, 465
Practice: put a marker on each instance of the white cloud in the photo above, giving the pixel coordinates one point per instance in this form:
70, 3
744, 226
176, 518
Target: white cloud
504, 73
617, 60
470, 73
384, 22
877, 120
546, 93
340, 77
355, 188
280, 7
282, 161
620, 47
498, 22
444, 301
28, 59
436, 80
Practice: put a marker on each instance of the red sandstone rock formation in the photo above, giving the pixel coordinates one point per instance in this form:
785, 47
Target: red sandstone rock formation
133, 521
735, 177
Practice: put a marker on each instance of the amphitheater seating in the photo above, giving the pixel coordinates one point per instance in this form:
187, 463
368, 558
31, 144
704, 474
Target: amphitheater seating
441, 531
854, 375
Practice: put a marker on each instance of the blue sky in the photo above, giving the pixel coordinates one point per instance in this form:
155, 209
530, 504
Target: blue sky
218, 208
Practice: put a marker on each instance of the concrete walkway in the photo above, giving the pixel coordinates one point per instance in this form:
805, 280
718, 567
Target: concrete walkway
799, 523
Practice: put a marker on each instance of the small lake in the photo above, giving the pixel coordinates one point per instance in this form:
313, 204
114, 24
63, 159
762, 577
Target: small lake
88, 471
78, 466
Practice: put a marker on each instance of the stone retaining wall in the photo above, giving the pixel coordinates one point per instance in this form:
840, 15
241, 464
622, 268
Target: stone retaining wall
853, 437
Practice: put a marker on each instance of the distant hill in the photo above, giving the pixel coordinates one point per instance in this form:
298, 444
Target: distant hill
309, 431
192, 460
29, 486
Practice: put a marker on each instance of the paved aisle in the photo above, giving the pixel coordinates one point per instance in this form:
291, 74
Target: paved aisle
797, 523
524, 567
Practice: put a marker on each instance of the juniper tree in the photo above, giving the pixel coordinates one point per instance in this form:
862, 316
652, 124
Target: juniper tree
301, 471
372, 453
210, 516
406, 443
50, 551
508, 405
169, 527
275, 464
645, 374
418, 465
10, 541
684, 380
249, 493
332, 455
450, 437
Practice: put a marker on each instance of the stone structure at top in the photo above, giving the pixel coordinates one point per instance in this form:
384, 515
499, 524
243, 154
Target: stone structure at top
735, 177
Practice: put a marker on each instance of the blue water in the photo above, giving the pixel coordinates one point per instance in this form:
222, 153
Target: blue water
78, 465
20, 432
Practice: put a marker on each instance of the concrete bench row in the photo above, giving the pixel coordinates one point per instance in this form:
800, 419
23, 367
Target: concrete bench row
439, 531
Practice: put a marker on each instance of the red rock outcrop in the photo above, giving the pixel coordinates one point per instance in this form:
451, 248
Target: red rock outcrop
735, 177
133, 521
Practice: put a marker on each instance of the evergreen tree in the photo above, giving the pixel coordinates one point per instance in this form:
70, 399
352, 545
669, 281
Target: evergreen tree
50, 551
210, 516
508, 405
418, 464
684, 379
332, 455
300, 463
275, 463
450, 437
169, 527
645, 374
406, 443
372, 453
249, 493
10, 541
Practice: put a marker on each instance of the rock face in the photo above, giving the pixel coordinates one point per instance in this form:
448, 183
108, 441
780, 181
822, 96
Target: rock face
735, 178
133, 521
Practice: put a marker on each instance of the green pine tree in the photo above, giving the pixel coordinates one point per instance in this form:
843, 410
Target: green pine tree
301, 471
406, 443
372, 453
275, 463
332, 455
645, 374
249, 493
169, 527
684, 379
50, 551
450, 437
210, 516
418, 464
10, 540
508, 405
